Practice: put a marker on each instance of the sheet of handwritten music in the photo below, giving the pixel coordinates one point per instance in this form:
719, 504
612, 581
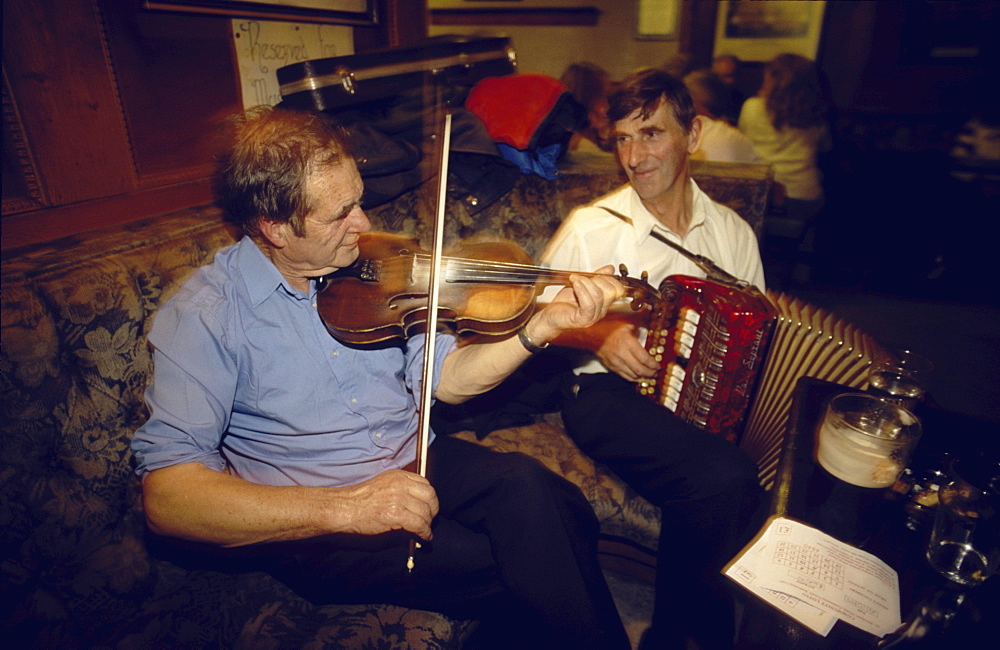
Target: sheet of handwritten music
817, 579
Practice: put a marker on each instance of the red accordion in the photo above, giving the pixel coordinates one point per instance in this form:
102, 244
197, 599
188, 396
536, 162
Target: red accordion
710, 339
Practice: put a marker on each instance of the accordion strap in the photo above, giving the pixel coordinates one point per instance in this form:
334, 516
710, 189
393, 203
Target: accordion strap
712, 270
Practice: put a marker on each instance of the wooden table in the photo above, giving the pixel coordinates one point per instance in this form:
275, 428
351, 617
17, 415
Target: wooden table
883, 533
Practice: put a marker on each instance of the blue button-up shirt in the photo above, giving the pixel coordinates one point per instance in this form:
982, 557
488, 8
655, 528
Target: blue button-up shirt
246, 376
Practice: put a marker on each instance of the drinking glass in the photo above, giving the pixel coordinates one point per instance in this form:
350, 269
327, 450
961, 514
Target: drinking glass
866, 440
964, 547
900, 375
964, 544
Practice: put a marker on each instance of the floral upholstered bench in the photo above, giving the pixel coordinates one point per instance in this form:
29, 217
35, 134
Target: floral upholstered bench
79, 568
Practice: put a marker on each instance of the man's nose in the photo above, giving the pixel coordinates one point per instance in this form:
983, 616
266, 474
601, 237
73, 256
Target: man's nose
359, 220
633, 154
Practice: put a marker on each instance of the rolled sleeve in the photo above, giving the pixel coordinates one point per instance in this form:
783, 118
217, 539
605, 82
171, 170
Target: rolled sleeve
192, 393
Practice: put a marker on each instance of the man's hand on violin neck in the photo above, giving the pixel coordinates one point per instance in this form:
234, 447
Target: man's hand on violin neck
583, 303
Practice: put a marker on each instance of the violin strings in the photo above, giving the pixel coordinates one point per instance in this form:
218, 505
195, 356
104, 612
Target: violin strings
468, 270
460, 269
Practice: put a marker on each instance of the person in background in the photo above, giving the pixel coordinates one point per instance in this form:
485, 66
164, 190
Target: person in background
727, 68
679, 65
706, 487
788, 123
267, 432
975, 153
720, 140
590, 85
974, 189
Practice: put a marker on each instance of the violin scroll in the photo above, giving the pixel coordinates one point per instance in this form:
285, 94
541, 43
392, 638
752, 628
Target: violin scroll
639, 290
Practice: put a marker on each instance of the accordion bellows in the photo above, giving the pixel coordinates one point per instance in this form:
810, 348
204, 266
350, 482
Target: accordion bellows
807, 341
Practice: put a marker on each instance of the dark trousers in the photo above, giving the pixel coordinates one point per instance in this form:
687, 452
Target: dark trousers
514, 545
706, 488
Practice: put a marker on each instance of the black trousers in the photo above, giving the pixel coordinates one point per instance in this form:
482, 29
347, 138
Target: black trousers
514, 545
706, 488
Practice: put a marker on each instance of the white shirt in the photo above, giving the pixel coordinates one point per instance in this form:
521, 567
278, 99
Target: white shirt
722, 142
591, 237
792, 151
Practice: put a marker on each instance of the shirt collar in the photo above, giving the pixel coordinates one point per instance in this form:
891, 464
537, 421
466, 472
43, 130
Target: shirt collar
643, 220
261, 276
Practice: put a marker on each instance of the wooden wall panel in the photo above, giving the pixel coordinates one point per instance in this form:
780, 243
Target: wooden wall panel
21, 188
176, 76
109, 110
57, 68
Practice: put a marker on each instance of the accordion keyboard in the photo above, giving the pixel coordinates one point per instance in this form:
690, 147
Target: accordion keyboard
709, 338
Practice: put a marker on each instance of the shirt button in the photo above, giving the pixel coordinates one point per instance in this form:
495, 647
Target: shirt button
314, 305
354, 400
378, 435
335, 353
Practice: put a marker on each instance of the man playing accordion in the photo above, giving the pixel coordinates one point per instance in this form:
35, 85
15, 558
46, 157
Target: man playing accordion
706, 488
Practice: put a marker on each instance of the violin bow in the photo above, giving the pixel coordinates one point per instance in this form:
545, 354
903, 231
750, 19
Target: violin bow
433, 302
712, 270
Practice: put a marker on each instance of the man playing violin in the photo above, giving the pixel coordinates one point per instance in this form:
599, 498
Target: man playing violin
265, 431
705, 486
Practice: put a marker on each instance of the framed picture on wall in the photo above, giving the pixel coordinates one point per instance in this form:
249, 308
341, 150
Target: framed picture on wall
759, 31
347, 12
656, 20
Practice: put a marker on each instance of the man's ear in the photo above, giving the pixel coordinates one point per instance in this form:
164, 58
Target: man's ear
275, 232
694, 135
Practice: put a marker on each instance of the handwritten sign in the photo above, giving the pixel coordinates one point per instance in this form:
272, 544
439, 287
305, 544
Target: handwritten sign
264, 46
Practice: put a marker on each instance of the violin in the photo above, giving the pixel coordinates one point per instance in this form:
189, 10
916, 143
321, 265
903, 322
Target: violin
485, 288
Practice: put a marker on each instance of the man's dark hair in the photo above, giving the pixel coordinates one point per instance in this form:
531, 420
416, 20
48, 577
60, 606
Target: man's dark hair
644, 90
271, 154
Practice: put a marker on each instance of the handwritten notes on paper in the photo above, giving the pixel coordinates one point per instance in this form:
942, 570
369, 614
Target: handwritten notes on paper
817, 579
264, 46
